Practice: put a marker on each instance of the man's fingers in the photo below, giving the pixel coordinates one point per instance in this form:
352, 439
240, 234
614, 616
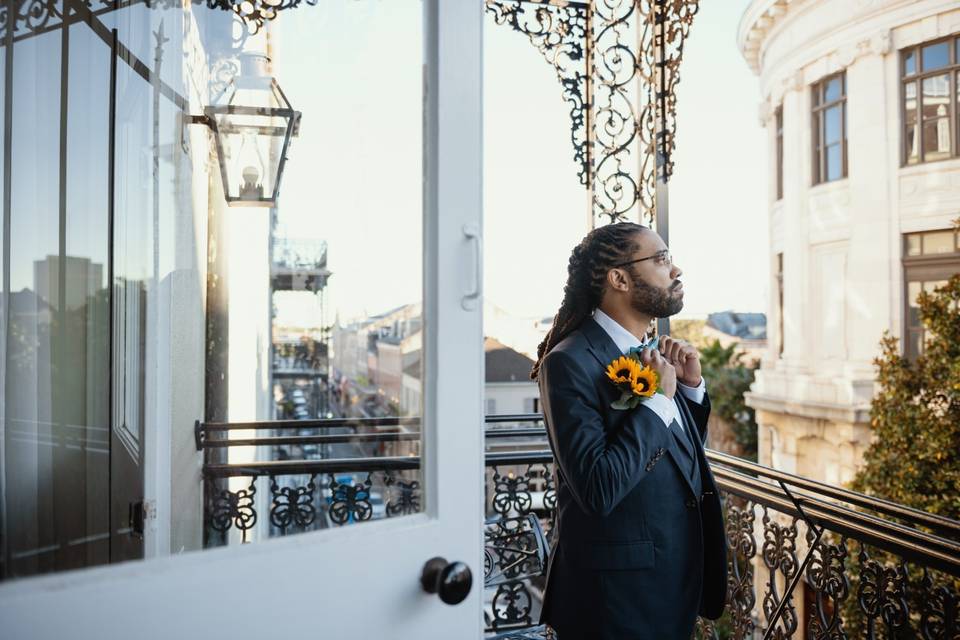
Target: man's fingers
675, 349
664, 344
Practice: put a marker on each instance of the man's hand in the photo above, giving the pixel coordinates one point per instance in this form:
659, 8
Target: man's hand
665, 370
685, 359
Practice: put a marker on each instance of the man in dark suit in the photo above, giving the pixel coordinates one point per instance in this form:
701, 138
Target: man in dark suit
639, 548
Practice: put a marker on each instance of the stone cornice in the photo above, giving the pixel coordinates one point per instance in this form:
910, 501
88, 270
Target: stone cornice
807, 409
754, 25
867, 30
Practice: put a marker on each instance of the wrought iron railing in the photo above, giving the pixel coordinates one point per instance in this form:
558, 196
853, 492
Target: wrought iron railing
819, 560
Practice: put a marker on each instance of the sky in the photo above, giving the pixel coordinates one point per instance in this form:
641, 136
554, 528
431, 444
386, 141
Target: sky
354, 175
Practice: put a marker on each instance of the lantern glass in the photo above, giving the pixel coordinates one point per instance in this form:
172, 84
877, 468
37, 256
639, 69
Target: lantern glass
253, 123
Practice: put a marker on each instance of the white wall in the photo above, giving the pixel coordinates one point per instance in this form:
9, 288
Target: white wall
509, 397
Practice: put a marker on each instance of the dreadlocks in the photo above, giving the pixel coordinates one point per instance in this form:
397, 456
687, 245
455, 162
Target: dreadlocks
586, 277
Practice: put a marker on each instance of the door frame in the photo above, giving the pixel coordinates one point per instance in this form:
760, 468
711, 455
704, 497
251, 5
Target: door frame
255, 587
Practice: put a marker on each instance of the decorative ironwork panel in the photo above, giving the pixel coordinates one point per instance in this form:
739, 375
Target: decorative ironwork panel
826, 576
779, 553
940, 615
742, 550
511, 493
514, 549
882, 594
231, 508
560, 34
349, 503
293, 506
404, 496
620, 80
512, 605
705, 630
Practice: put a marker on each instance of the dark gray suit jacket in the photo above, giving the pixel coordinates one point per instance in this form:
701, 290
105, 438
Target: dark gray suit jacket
636, 554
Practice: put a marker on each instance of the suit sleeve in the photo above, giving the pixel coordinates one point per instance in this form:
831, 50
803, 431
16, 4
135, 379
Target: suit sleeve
600, 469
701, 414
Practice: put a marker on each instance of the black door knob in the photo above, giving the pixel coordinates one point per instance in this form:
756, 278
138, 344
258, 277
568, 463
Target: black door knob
449, 580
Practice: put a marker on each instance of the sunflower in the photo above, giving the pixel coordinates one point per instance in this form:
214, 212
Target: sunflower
623, 370
645, 383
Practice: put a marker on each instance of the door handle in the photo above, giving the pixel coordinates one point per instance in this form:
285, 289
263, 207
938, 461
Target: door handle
449, 580
472, 233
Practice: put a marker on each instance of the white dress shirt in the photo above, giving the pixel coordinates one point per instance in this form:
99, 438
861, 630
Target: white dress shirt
660, 404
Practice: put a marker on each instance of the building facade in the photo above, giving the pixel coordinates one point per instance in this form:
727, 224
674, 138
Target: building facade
860, 103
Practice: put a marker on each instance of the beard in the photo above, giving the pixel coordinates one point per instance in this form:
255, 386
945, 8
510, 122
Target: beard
654, 301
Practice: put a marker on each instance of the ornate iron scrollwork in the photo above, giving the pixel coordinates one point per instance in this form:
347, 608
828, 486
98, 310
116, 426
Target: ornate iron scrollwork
623, 114
293, 505
940, 617
405, 496
511, 492
826, 575
882, 593
349, 502
741, 597
560, 34
515, 550
233, 508
779, 553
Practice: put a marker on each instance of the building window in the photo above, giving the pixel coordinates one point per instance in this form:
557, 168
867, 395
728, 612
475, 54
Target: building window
830, 129
779, 276
778, 116
930, 77
531, 405
491, 406
929, 259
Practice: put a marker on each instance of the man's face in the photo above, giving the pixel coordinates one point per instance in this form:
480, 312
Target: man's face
657, 290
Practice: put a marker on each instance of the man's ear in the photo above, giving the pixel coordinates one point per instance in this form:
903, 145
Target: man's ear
617, 280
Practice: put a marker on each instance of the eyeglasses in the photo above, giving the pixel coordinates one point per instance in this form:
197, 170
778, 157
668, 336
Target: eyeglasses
662, 258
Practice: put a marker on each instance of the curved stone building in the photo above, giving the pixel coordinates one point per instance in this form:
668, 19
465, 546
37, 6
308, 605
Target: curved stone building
860, 102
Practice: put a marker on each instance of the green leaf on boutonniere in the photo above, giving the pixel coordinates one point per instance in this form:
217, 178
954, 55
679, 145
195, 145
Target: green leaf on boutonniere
626, 401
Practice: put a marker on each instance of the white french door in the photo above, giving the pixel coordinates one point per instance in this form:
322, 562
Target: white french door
364, 580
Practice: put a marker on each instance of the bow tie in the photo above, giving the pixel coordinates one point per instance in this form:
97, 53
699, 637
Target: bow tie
652, 344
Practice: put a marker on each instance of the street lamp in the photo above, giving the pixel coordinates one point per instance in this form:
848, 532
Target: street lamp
252, 121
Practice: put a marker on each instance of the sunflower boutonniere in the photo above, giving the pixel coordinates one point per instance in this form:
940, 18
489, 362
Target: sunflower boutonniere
634, 380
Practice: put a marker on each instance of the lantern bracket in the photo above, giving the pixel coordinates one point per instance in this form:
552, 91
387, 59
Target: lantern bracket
201, 119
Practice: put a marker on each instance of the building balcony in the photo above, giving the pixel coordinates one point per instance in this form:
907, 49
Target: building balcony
299, 265
817, 560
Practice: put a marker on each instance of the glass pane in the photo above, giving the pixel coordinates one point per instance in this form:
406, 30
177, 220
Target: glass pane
346, 333
936, 96
913, 309
86, 352
309, 310
938, 242
914, 244
833, 124
936, 56
930, 287
834, 161
909, 63
833, 89
911, 136
936, 139
37, 434
915, 347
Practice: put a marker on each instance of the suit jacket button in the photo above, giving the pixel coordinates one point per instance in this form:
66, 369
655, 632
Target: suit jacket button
691, 503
